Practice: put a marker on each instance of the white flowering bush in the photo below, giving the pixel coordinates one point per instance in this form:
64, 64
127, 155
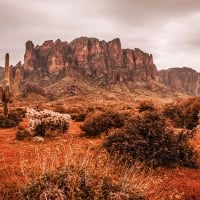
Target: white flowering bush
47, 122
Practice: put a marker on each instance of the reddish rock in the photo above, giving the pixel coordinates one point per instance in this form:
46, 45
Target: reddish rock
184, 80
55, 59
30, 57
115, 56
99, 60
129, 61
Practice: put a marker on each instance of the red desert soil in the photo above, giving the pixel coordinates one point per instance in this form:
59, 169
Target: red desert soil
13, 153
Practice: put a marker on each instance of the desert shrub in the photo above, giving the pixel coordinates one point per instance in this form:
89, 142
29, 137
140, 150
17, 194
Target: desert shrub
82, 114
174, 112
72, 184
13, 119
183, 113
47, 122
80, 117
146, 138
191, 110
97, 123
21, 133
7, 122
146, 106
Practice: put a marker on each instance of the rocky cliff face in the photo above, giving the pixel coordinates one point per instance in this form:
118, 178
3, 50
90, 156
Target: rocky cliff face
184, 79
104, 61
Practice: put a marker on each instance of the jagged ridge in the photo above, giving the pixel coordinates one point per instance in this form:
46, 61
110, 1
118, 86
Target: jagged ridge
99, 60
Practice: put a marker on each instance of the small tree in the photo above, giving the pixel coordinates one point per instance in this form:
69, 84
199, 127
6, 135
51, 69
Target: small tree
8, 93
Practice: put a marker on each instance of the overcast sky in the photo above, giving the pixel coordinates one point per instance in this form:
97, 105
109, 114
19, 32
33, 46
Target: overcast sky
169, 29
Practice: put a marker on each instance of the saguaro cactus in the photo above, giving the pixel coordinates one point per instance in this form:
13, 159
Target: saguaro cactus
8, 93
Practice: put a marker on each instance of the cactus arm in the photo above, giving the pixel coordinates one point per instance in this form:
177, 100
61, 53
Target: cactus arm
7, 70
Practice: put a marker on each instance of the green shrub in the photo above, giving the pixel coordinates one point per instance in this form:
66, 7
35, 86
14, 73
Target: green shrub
97, 123
191, 111
21, 133
174, 112
79, 116
70, 184
183, 113
13, 119
145, 138
146, 106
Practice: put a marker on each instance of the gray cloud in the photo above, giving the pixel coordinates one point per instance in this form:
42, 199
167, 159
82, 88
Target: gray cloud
167, 29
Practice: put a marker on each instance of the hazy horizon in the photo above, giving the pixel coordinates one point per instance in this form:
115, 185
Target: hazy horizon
167, 29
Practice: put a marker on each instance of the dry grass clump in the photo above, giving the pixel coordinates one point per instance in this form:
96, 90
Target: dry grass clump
83, 176
100, 122
183, 113
146, 138
71, 183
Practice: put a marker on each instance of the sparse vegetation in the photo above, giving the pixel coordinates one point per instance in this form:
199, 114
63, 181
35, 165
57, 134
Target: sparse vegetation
99, 122
47, 122
146, 106
41, 170
12, 119
147, 139
183, 113
21, 133
72, 183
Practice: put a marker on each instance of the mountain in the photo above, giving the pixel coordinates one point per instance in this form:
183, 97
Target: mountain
87, 65
105, 62
185, 80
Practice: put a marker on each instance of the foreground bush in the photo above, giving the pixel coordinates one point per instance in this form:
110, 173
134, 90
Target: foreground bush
47, 122
183, 113
13, 119
97, 123
21, 133
145, 138
191, 111
72, 183
146, 106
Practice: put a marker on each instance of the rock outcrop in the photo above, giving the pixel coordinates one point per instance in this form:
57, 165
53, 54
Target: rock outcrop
98, 60
184, 80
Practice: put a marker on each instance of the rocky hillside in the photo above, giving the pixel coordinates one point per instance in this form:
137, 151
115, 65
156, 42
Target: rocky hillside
105, 62
184, 79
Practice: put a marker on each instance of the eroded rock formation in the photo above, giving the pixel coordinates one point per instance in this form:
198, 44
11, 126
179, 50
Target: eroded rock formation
105, 61
184, 80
